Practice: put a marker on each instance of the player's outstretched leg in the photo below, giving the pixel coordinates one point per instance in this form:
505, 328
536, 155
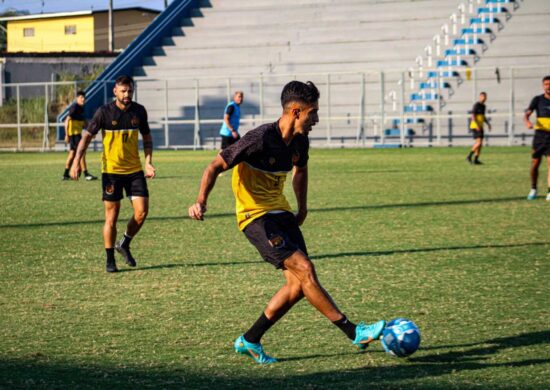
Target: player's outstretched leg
254, 350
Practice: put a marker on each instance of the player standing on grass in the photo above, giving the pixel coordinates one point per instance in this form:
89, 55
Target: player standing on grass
262, 158
476, 125
541, 141
120, 122
231, 120
74, 123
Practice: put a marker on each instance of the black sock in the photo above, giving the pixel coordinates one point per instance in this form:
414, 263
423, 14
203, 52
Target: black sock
86, 173
346, 326
125, 241
257, 330
476, 158
110, 255
549, 190
66, 173
470, 155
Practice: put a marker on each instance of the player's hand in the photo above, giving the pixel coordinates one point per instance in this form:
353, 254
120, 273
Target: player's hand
489, 126
301, 216
197, 211
75, 171
66, 139
235, 134
150, 171
529, 124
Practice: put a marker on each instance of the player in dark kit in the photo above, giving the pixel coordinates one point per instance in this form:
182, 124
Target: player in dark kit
476, 126
74, 124
541, 142
120, 122
262, 160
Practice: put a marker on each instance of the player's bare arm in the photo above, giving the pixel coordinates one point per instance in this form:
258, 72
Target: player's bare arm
80, 151
526, 120
197, 210
66, 124
150, 170
299, 184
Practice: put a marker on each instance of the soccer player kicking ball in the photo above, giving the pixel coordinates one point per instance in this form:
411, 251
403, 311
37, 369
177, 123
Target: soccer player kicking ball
120, 122
541, 141
263, 158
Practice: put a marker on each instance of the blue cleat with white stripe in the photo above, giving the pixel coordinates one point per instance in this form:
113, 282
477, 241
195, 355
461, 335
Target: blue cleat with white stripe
255, 351
365, 334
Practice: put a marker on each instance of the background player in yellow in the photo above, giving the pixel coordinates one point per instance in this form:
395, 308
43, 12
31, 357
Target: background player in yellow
120, 122
476, 126
541, 142
74, 123
262, 159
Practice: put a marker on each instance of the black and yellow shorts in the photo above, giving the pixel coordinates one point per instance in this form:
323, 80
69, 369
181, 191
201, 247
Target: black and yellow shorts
134, 184
477, 134
74, 140
276, 236
541, 143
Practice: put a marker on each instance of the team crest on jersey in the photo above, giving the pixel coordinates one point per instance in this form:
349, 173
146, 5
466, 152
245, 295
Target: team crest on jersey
277, 241
110, 189
114, 123
272, 160
295, 158
135, 121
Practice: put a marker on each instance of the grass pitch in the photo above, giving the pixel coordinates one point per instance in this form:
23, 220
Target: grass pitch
415, 233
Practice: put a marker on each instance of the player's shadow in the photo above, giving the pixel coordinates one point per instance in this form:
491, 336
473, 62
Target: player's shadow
312, 210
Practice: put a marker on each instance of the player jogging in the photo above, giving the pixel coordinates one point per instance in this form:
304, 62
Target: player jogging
541, 142
262, 159
476, 126
74, 123
120, 122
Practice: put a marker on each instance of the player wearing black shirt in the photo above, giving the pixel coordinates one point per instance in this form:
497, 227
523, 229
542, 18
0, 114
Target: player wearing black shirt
476, 126
262, 160
74, 124
120, 123
541, 142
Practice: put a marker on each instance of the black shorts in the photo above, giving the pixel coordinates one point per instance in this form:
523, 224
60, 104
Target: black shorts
477, 134
74, 140
227, 141
276, 237
541, 144
134, 184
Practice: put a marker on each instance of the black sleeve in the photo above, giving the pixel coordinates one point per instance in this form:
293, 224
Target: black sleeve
72, 110
475, 108
144, 123
230, 110
303, 151
250, 144
534, 104
97, 122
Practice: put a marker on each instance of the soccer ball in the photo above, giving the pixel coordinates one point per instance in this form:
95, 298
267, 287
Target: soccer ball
401, 337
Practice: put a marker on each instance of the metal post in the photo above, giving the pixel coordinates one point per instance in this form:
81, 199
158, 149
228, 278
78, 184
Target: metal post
196, 138
46, 141
474, 84
512, 119
402, 97
17, 95
329, 116
261, 98
111, 28
228, 89
382, 105
438, 120
166, 127
361, 125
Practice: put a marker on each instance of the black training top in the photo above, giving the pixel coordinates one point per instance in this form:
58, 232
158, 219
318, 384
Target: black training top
541, 106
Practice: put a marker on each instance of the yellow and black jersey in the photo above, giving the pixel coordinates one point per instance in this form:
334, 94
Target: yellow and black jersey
541, 105
478, 112
75, 124
262, 161
119, 130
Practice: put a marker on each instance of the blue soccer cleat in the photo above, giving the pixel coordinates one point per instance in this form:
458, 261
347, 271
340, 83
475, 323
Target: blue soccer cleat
365, 334
255, 351
532, 195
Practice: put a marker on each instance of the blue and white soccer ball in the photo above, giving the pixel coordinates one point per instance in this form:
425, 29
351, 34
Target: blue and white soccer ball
401, 337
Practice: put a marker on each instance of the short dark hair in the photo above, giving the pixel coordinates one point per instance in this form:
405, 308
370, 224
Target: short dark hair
124, 80
296, 91
483, 93
81, 93
546, 78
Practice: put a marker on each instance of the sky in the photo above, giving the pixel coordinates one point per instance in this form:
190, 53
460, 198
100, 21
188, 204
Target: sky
47, 6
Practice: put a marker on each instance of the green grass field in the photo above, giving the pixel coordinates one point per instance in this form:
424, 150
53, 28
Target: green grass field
415, 233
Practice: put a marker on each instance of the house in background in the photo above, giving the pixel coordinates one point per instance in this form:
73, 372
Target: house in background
80, 31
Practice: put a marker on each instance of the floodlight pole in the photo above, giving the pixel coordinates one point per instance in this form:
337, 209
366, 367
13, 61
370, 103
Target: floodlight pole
111, 28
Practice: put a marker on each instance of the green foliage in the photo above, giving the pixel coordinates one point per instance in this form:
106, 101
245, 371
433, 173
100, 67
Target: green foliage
416, 233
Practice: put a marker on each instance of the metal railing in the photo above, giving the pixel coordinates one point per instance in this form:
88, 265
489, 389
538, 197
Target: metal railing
357, 109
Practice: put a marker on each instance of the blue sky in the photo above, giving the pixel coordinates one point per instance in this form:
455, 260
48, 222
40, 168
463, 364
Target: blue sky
35, 6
